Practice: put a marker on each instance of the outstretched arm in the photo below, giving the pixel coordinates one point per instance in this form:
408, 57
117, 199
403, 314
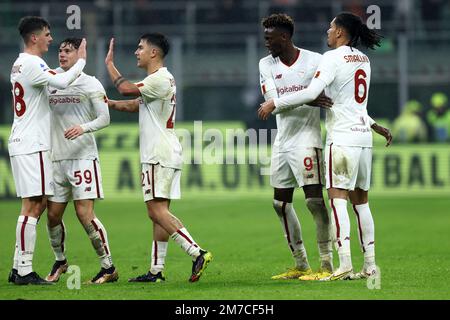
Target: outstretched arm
125, 87
124, 105
293, 101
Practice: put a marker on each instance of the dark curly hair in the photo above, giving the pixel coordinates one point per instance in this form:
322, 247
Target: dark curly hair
280, 21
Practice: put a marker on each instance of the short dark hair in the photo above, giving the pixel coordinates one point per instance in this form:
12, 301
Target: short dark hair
30, 24
159, 40
358, 31
74, 42
280, 21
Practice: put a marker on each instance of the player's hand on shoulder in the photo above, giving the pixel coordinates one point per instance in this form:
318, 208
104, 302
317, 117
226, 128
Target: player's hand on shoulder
322, 101
73, 132
385, 132
266, 109
110, 56
82, 53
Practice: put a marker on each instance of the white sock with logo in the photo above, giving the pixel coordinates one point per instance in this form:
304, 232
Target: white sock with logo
293, 232
99, 239
341, 228
57, 235
26, 241
159, 251
187, 243
366, 234
323, 231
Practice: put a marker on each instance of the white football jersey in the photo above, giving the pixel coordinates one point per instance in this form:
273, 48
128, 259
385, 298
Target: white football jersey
300, 126
157, 139
31, 127
83, 103
346, 71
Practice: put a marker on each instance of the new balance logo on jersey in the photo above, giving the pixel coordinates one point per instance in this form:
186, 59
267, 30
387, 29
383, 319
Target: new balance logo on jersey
278, 76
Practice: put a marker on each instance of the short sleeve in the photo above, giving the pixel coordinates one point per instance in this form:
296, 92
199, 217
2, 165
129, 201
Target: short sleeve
326, 71
155, 87
38, 72
266, 81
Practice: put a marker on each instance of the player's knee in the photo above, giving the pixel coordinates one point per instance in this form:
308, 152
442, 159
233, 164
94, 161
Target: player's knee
278, 206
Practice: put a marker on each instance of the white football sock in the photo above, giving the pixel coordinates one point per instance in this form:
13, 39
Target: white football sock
26, 241
159, 251
57, 235
15, 259
366, 233
293, 232
341, 228
323, 231
99, 239
184, 239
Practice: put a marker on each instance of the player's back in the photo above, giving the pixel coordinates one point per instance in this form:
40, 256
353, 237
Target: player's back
73, 106
157, 109
31, 127
347, 121
300, 126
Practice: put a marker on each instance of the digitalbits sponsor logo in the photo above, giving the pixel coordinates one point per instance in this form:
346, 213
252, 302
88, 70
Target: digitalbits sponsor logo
74, 279
374, 280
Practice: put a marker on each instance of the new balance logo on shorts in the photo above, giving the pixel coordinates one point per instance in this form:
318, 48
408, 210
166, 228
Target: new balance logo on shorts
148, 191
87, 189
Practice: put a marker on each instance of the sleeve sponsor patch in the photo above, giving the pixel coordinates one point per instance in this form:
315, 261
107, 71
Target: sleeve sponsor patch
139, 85
317, 74
51, 72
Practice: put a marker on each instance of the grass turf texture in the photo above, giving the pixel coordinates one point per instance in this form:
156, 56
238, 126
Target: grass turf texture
245, 237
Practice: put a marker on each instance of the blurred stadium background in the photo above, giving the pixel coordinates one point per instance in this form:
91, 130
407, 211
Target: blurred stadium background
216, 47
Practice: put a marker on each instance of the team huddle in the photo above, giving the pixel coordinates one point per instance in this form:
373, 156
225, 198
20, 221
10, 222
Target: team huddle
54, 156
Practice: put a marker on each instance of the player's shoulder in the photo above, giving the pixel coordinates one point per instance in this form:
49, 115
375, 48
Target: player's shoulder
311, 53
30, 60
162, 75
91, 82
267, 62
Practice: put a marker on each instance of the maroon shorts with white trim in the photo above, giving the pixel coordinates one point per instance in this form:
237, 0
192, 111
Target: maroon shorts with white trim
160, 182
77, 179
348, 167
296, 168
33, 174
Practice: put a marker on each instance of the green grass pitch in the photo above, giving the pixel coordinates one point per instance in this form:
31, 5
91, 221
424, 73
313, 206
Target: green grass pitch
244, 234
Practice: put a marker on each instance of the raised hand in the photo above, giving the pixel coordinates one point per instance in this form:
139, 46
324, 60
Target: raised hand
110, 56
82, 54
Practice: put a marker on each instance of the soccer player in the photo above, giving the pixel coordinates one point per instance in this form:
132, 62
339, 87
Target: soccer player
77, 112
345, 71
29, 144
160, 150
297, 150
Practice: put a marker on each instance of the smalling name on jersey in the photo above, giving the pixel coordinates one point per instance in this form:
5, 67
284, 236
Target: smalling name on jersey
293, 88
356, 58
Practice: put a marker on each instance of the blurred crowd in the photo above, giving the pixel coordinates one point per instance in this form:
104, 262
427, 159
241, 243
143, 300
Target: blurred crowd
419, 124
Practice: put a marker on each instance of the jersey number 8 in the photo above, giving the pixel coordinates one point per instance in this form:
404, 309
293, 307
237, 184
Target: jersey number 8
19, 103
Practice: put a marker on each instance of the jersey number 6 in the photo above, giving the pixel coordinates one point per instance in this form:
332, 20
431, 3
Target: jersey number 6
360, 80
